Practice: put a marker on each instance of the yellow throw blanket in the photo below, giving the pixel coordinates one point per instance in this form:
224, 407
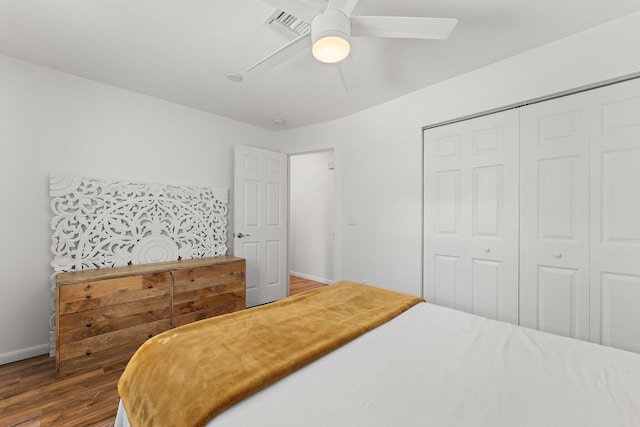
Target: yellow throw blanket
188, 375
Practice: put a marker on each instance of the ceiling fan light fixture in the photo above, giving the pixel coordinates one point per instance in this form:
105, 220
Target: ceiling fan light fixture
331, 49
330, 35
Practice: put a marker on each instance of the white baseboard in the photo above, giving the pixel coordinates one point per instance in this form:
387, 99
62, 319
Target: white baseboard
24, 353
310, 277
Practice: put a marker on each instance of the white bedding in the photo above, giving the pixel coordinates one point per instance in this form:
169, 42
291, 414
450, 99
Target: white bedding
433, 366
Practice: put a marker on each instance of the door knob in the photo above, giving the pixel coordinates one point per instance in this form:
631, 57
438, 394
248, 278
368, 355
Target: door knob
557, 254
486, 249
241, 235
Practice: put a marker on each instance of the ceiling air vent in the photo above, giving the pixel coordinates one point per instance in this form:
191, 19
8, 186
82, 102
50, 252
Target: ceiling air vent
287, 25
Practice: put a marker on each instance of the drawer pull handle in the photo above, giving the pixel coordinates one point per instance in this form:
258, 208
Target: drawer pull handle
87, 296
191, 301
150, 311
88, 324
88, 352
150, 286
557, 254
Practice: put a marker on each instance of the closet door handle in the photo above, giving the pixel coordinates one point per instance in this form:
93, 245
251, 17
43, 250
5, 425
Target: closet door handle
557, 254
241, 235
486, 249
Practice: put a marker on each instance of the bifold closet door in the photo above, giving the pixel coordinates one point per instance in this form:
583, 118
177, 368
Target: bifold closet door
615, 215
554, 216
580, 215
471, 215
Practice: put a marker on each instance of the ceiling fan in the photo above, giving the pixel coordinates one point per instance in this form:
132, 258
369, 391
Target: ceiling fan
332, 27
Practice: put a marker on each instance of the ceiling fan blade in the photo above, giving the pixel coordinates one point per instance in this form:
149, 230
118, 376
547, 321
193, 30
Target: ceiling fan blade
346, 6
402, 27
349, 74
285, 52
304, 11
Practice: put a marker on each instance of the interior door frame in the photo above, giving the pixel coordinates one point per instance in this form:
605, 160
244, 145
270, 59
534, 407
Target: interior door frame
336, 217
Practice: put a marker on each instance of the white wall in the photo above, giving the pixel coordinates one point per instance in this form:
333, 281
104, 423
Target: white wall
57, 123
312, 213
379, 151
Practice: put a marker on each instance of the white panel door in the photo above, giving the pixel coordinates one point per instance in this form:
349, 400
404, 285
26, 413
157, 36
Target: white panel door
615, 215
445, 205
492, 227
554, 212
260, 221
471, 215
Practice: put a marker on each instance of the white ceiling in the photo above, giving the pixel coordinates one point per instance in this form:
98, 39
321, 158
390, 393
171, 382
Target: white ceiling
179, 50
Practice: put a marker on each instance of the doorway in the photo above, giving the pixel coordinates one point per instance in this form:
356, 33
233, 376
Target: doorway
312, 216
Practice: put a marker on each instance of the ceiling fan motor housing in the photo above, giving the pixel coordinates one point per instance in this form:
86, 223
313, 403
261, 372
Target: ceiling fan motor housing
330, 36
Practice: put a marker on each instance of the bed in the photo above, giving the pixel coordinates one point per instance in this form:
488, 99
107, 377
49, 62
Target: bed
434, 366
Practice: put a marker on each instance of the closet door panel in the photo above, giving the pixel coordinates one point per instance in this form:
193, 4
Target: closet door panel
471, 215
619, 295
492, 229
445, 206
554, 209
615, 215
447, 285
486, 289
487, 199
558, 312
447, 203
620, 210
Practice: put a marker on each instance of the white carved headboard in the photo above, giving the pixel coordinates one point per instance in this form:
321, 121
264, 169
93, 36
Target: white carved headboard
101, 223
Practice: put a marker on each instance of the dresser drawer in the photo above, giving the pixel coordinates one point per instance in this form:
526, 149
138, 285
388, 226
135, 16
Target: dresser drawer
105, 349
209, 297
205, 292
218, 277
88, 323
179, 320
89, 295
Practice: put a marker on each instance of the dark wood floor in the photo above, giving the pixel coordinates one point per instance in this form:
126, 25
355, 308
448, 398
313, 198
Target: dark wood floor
298, 284
30, 394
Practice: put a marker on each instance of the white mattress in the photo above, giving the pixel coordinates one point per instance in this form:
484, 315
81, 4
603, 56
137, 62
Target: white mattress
433, 366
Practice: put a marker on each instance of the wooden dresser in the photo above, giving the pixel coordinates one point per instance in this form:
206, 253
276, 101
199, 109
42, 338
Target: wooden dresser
104, 315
